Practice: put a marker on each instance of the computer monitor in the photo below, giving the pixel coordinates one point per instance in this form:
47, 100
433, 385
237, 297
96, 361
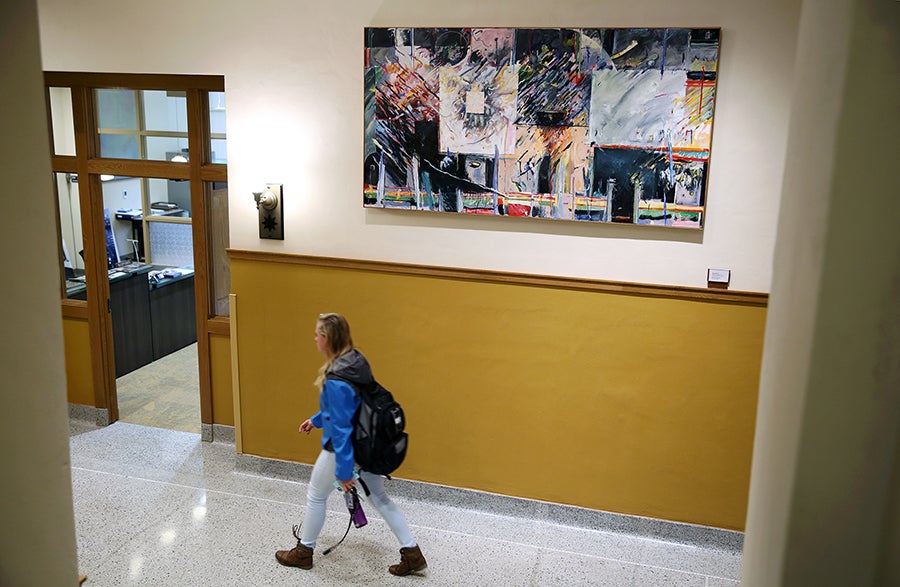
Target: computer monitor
112, 251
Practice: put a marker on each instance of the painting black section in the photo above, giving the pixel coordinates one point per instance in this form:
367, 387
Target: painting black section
707, 76
552, 91
423, 38
450, 46
653, 48
379, 37
704, 37
425, 141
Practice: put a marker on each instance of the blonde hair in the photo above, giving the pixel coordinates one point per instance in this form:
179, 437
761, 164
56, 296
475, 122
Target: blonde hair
336, 331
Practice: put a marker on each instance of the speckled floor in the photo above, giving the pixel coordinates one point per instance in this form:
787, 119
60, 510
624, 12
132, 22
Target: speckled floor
165, 393
160, 507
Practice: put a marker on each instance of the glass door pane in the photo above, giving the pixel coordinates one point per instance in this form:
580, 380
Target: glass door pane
171, 197
136, 207
62, 120
123, 212
71, 239
118, 122
165, 125
145, 124
217, 127
219, 267
165, 111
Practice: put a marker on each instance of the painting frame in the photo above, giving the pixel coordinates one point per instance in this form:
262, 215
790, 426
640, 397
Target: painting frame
603, 125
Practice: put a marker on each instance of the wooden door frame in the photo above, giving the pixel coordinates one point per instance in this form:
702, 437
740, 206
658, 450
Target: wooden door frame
88, 164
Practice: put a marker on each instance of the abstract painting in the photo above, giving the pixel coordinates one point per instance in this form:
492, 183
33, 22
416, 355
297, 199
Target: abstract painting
598, 125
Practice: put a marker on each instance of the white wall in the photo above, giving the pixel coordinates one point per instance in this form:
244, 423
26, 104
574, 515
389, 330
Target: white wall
37, 537
294, 81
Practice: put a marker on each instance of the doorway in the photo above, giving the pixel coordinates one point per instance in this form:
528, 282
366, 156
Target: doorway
137, 158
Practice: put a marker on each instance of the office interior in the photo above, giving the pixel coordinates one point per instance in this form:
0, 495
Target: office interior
814, 506
151, 275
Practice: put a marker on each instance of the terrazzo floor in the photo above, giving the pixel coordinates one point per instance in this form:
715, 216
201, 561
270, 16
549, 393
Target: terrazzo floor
164, 393
160, 507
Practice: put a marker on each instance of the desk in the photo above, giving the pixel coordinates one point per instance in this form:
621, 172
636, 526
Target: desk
129, 302
172, 314
150, 318
76, 290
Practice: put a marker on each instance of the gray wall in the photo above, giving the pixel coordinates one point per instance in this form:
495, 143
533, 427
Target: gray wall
825, 486
37, 539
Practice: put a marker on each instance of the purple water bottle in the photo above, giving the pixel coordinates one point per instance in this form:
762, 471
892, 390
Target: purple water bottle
356, 511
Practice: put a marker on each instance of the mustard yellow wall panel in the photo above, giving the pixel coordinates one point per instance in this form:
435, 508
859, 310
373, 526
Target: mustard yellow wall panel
79, 380
633, 404
220, 367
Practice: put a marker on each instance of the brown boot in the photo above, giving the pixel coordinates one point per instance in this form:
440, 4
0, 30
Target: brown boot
299, 556
411, 561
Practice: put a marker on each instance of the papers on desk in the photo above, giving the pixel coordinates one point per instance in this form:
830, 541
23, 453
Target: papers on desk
131, 267
165, 273
128, 214
157, 276
136, 213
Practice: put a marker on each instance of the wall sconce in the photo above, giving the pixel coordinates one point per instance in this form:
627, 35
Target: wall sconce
271, 212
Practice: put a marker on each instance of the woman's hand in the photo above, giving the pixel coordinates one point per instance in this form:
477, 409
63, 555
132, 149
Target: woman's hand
347, 485
307, 426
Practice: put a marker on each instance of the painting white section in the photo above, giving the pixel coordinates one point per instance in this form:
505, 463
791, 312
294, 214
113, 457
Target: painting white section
294, 82
478, 110
475, 102
635, 108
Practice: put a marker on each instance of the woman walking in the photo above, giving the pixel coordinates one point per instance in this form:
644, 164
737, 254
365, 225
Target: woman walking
338, 403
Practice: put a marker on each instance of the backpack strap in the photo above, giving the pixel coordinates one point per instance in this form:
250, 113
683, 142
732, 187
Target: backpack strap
357, 387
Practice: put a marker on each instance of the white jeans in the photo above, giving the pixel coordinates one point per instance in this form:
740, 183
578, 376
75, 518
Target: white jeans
321, 487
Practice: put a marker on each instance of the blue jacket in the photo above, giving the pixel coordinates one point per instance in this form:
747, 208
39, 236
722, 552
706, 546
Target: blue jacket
338, 403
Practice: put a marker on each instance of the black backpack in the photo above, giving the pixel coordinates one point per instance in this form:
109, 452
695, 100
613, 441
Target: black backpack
379, 442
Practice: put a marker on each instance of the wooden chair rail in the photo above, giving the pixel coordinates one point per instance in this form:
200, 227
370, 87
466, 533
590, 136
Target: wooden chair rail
598, 285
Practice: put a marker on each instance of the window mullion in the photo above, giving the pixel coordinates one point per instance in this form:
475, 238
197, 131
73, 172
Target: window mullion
139, 124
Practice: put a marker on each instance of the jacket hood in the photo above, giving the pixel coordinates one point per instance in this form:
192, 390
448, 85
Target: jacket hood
353, 367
